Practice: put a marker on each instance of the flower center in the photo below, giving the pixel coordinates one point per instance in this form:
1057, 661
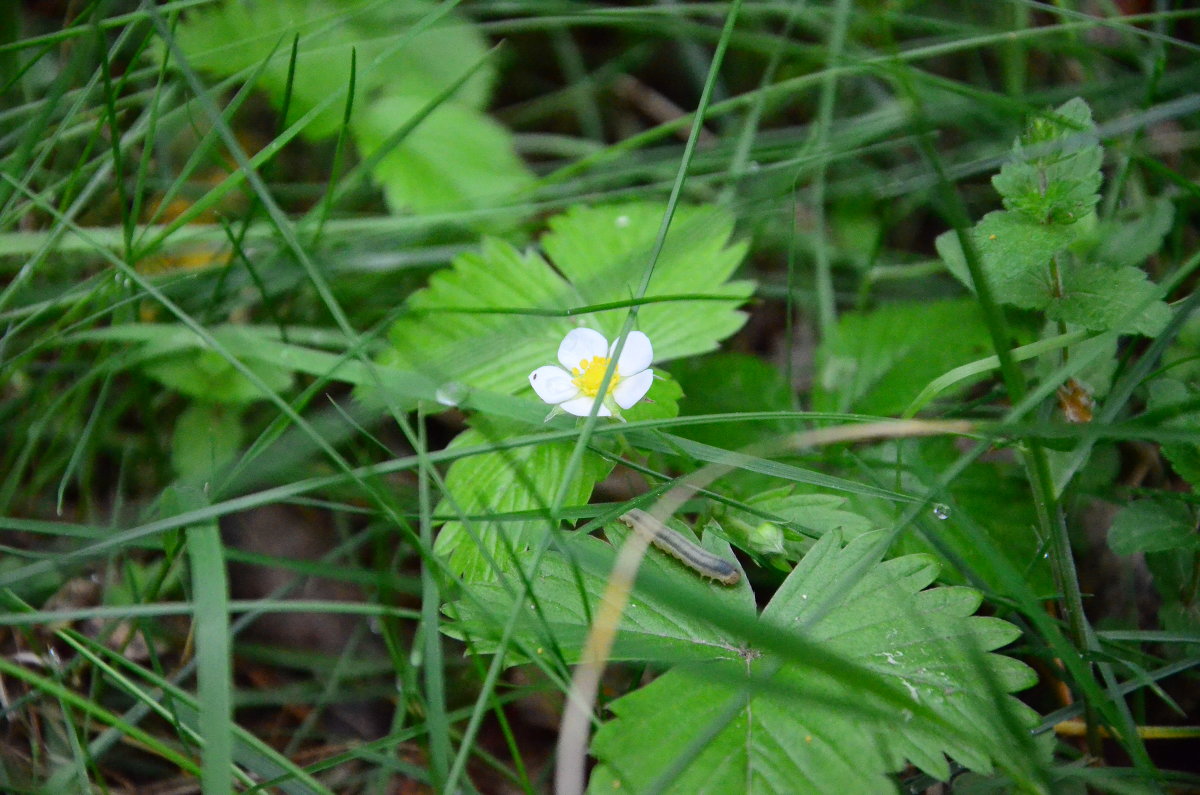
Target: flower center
589, 374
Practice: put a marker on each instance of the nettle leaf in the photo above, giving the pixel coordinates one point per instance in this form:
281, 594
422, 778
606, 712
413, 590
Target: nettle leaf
505, 481
778, 725
876, 362
1014, 252
456, 158
1101, 298
1126, 242
1054, 174
232, 37
1153, 526
600, 251
1164, 394
558, 615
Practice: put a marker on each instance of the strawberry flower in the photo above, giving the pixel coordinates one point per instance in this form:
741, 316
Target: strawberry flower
585, 355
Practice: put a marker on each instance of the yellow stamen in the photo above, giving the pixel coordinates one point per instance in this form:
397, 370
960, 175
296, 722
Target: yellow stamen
589, 374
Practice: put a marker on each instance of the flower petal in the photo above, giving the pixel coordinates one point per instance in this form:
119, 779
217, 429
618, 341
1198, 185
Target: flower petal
582, 407
581, 344
633, 388
553, 384
636, 355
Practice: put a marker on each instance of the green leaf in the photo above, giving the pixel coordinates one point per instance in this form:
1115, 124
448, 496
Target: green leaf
231, 37
650, 629
1153, 526
1168, 392
1101, 298
807, 728
729, 383
796, 519
1054, 174
1130, 242
604, 252
661, 402
457, 158
1014, 252
521, 479
207, 375
595, 248
876, 362
207, 437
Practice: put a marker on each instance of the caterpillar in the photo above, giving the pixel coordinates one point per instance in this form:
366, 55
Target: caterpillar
690, 554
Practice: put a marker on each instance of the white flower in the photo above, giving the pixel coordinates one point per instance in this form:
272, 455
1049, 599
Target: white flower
585, 355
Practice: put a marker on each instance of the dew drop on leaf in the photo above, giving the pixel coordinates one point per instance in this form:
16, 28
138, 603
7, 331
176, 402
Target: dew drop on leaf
941, 511
451, 393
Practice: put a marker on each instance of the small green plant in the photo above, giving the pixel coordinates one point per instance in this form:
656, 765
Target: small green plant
392, 390
1047, 251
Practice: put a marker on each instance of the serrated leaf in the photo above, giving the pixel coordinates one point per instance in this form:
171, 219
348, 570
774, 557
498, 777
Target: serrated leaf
559, 614
1101, 298
498, 351
1153, 526
521, 479
604, 252
1054, 176
811, 730
1165, 393
875, 362
457, 158
234, 36
1130, 242
1014, 252
817, 515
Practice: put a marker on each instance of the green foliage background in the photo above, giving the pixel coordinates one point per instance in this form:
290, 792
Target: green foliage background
918, 279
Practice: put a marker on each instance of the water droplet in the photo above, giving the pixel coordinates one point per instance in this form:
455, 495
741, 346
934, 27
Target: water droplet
941, 510
451, 393
622, 221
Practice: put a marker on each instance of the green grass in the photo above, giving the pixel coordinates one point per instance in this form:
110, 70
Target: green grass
241, 281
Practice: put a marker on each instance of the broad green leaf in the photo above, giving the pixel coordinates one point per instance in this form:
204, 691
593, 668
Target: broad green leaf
778, 725
729, 383
230, 37
1153, 526
1100, 298
1164, 394
457, 158
521, 479
206, 375
795, 521
1130, 242
661, 402
876, 362
989, 499
492, 346
1014, 252
650, 629
1174, 573
1054, 174
817, 514
207, 437
604, 253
